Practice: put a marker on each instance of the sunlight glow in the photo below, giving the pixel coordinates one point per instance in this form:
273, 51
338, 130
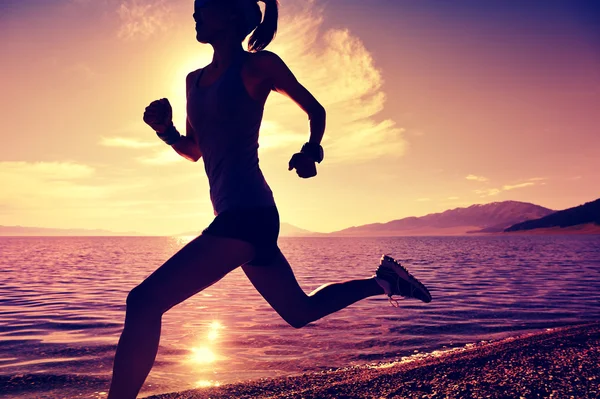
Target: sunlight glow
207, 384
215, 325
213, 333
203, 355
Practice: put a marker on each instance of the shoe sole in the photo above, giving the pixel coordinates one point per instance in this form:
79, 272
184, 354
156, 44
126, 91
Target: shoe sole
392, 265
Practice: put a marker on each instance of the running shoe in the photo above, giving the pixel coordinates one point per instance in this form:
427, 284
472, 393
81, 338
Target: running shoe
396, 280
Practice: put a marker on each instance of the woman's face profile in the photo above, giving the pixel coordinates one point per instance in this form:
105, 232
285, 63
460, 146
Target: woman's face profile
212, 17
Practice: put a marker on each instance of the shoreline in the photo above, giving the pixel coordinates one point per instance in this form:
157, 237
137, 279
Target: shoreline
558, 362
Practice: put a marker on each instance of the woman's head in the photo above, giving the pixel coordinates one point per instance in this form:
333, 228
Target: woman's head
217, 18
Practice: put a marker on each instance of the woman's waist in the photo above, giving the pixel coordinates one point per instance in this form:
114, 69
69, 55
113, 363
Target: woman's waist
234, 173
237, 183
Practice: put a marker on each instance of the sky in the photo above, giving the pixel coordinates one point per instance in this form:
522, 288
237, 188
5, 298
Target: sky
431, 105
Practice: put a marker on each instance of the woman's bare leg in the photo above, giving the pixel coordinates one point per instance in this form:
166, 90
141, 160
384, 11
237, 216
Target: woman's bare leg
199, 264
277, 284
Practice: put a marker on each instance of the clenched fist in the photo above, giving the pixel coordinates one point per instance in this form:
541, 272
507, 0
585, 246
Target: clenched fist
159, 115
304, 165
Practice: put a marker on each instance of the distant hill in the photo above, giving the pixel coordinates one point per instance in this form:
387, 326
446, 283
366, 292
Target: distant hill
480, 218
289, 230
588, 213
45, 231
285, 230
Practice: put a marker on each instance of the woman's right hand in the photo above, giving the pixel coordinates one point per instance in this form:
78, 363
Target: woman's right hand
159, 115
304, 165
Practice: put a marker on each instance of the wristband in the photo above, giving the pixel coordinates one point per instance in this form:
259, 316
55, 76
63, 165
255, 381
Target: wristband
170, 136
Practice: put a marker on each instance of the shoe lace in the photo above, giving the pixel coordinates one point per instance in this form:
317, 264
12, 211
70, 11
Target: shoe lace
395, 302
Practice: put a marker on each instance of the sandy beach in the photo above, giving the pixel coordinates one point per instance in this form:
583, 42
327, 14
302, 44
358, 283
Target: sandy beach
554, 363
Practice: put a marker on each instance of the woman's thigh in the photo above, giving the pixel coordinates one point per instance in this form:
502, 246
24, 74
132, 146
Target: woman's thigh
199, 264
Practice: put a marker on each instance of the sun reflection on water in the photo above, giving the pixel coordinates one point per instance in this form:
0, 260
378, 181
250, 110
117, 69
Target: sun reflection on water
207, 384
202, 355
214, 328
205, 352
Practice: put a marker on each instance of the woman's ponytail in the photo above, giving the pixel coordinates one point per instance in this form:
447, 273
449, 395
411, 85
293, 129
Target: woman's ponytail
265, 32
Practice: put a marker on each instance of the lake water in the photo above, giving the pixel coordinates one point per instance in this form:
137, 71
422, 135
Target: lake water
62, 307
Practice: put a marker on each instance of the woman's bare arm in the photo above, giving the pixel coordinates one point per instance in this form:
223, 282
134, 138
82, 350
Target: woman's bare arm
187, 146
284, 82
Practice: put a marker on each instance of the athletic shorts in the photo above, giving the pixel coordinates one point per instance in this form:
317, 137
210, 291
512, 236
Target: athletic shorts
258, 226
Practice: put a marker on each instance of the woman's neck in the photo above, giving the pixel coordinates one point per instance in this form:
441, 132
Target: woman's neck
224, 54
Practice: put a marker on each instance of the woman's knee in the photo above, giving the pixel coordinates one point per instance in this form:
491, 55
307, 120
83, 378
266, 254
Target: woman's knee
297, 319
140, 301
297, 313
297, 323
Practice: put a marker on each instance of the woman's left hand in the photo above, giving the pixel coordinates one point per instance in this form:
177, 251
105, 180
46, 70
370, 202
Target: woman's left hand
304, 165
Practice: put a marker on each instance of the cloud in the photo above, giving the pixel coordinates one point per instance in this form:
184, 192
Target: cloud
137, 19
164, 157
33, 183
423, 199
140, 19
453, 198
70, 194
47, 170
127, 142
488, 192
521, 185
52, 184
337, 68
477, 178
277, 136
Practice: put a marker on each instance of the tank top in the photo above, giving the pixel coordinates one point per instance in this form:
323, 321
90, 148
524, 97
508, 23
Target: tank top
227, 123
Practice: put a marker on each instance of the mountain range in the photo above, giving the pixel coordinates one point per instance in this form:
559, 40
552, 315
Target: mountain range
480, 218
587, 215
495, 217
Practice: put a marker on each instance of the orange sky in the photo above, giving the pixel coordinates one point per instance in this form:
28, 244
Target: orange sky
430, 107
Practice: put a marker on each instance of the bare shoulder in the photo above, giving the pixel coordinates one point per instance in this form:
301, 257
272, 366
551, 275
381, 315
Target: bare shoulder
266, 56
267, 61
279, 78
272, 69
189, 79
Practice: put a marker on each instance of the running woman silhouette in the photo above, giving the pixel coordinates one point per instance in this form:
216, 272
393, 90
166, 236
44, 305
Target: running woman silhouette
225, 102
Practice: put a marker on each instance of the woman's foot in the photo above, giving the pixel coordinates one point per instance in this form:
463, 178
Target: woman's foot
396, 280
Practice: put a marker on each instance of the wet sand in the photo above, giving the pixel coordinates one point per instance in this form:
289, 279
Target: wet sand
557, 363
